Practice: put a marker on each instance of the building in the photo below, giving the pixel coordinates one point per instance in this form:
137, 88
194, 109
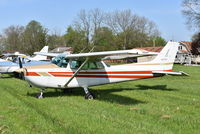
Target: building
184, 55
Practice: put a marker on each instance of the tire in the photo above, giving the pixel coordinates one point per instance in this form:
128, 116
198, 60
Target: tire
89, 96
39, 96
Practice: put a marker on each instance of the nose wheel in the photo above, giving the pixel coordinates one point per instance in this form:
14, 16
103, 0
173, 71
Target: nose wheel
40, 95
88, 95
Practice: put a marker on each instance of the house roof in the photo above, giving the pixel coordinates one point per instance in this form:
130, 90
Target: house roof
188, 44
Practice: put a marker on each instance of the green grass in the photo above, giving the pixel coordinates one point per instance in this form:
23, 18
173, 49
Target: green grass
165, 105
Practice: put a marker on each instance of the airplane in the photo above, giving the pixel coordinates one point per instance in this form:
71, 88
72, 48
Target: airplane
87, 69
12, 56
9, 62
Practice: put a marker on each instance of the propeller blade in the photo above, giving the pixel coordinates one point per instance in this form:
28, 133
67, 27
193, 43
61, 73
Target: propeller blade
20, 62
21, 74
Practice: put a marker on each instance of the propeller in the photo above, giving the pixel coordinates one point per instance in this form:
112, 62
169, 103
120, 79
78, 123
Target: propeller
21, 73
20, 62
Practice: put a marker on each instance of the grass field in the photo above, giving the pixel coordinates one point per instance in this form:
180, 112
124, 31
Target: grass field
165, 105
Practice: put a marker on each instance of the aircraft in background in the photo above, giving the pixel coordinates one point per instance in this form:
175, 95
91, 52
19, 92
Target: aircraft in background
12, 56
87, 69
9, 62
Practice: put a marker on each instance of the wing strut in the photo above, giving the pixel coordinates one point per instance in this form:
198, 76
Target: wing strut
78, 70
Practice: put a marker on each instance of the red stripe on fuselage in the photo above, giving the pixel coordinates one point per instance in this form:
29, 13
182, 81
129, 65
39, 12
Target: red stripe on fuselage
127, 72
106, 76
32, 74
99, 74
114, 72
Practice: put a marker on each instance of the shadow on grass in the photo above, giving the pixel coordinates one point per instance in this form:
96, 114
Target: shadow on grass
107, 94
102, 95
155, 87
5, 77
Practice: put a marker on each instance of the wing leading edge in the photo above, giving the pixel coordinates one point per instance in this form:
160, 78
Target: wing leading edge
136, 52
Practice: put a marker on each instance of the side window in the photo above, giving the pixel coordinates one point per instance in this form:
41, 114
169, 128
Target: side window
99, 65
90, 65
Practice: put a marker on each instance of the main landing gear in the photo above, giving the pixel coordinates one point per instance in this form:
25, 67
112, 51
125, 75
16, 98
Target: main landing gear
88, 95
40, 95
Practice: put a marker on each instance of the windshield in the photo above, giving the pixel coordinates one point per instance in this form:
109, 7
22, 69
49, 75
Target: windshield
60, 61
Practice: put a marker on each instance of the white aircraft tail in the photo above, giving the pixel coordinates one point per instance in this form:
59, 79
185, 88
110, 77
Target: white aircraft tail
40, 57
167, 55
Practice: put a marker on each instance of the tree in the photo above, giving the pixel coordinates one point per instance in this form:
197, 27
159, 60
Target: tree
83, 24
2, 43
122, 23
104, 39
157, 41
131, 29
13, 38
97, 18
55, 40
196, 45
76, 40
191, 10
89, 22
35, 37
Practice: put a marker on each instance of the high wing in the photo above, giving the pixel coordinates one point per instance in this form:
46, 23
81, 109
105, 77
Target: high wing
135, 52
106, 53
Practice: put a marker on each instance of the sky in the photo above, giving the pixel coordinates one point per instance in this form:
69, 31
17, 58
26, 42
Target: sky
59, 14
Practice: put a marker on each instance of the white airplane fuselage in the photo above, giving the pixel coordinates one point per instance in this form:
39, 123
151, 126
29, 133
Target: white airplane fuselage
58, 77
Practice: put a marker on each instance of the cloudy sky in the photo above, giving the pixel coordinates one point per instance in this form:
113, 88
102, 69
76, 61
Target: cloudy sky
58, 14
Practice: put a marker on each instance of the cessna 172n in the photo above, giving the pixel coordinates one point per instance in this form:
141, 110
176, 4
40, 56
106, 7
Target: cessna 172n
86, 69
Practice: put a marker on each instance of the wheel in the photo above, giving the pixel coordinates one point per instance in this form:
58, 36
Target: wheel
89, 96
39, 96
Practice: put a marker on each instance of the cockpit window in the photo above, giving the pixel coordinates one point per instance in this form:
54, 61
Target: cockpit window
60, 61
75, 64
